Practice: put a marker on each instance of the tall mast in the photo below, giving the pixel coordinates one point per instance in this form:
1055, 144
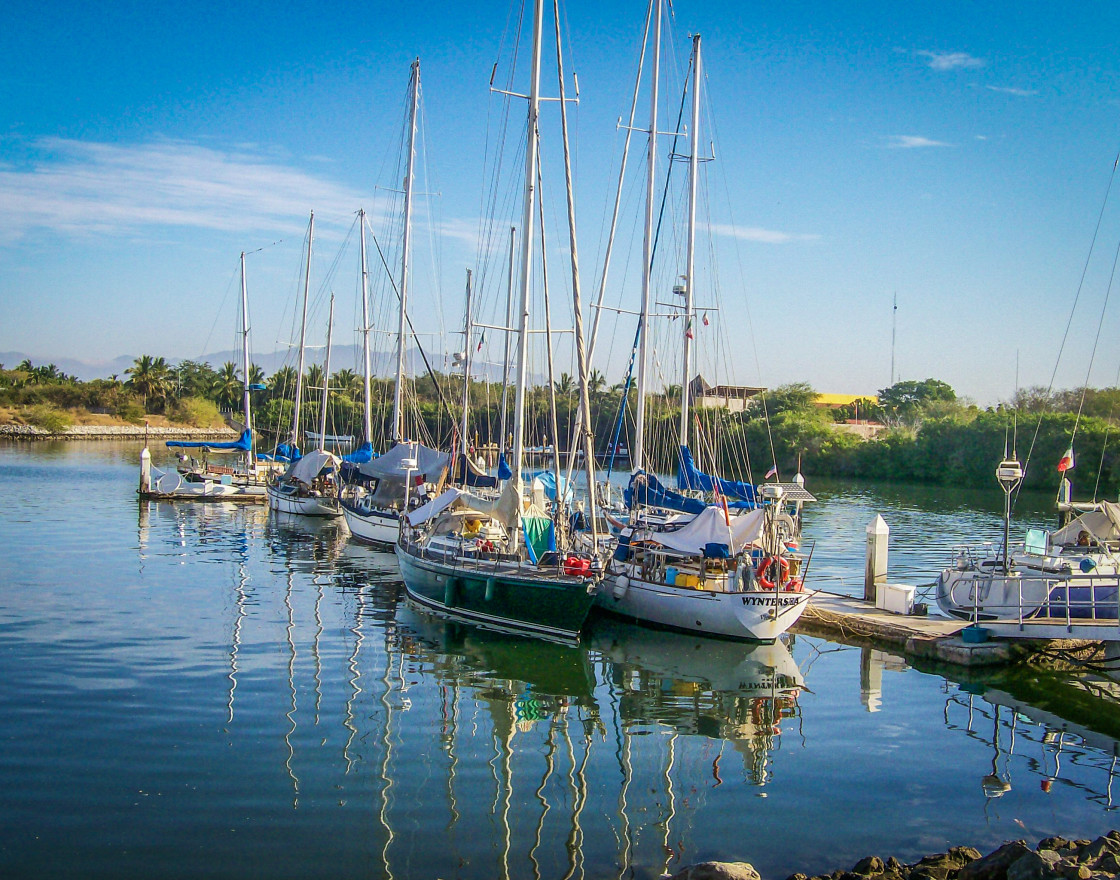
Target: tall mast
303, 332
647, 247
509, 323
466, 368
245, 362
367, 412
398, 419
586, 439
690, 266
326, 381
527, 221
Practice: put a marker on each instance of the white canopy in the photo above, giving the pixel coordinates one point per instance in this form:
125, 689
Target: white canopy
710, 527
310, 466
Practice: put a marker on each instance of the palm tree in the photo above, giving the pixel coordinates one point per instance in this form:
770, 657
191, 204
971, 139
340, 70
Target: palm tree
228, 387
256, 375
348, 382
150, 378
565, 386
596, 382
283, 383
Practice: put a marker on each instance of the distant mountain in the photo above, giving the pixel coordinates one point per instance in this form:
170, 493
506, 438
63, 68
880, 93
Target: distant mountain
82, 369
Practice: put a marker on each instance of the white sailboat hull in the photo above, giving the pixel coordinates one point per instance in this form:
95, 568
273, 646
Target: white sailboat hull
373, 527
301, 504
756, 615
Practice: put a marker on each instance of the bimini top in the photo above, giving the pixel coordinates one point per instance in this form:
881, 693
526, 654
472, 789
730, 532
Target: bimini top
1103, 525
242, 444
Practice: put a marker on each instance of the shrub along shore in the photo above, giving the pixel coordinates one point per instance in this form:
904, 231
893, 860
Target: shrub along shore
1055, 858
923, 433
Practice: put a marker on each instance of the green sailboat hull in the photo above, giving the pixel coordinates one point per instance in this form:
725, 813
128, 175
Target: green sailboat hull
499, 594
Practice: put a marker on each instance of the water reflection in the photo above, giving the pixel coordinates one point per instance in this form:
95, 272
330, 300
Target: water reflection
1029, 739
319, 723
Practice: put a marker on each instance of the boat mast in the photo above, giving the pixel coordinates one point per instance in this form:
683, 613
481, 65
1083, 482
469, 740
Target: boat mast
690, 265
466, 372
326, 381
527, 223
303, 333
509, 323
586, 438
367, 412
647, 248
398, 418
250, 459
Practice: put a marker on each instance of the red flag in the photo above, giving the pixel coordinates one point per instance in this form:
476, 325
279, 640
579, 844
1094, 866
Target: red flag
705, 319
1067, 461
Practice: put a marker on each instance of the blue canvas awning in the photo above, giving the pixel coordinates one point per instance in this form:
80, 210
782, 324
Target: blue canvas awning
242, 444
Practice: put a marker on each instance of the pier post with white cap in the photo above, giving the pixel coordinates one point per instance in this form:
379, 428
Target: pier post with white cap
875, 574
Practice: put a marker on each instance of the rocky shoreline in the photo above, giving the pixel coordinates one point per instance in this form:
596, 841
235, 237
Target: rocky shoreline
1055, 858
114, 432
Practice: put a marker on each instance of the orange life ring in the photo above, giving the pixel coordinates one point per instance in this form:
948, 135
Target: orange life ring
762, 573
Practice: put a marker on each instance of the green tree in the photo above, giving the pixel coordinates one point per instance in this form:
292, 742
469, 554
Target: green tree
906, 401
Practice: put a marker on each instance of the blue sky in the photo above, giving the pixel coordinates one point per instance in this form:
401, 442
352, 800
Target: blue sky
955, 154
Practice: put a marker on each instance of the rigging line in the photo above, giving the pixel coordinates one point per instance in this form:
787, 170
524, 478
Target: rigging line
1104, 444
412, 330
1096, 340
1073, 309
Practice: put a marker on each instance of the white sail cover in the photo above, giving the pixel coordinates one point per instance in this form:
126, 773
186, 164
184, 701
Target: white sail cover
310, 466
710, 527
1102, 525
422, 462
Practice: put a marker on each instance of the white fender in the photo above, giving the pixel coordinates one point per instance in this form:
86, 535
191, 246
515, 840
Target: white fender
621, 585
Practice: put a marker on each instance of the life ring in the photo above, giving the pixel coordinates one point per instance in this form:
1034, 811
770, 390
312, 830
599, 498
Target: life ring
762, 573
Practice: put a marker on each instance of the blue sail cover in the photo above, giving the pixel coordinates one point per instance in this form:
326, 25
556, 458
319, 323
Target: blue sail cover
688, 477
504, 470
646, 490
467, 474
243, 443
283, 452
360, 455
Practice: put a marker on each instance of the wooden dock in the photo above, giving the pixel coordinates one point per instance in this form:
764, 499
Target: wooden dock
859, 622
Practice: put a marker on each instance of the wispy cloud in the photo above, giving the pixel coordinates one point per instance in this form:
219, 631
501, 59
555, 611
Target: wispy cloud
80, 188
1008, 90
754, 233
951, 60
911, 141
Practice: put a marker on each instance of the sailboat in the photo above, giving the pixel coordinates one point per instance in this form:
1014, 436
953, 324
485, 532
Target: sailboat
724, 568
493, 562
202, 480
308, 486
374, 491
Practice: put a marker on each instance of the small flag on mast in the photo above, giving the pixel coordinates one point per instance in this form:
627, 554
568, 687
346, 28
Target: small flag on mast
773, 472
1067, 461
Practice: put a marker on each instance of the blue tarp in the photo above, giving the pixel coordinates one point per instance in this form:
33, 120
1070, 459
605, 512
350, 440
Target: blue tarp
688, 477
360, 455
548, 480
243, 443
504, 470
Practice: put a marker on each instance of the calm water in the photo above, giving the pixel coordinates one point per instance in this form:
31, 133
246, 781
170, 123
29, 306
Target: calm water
211, 691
